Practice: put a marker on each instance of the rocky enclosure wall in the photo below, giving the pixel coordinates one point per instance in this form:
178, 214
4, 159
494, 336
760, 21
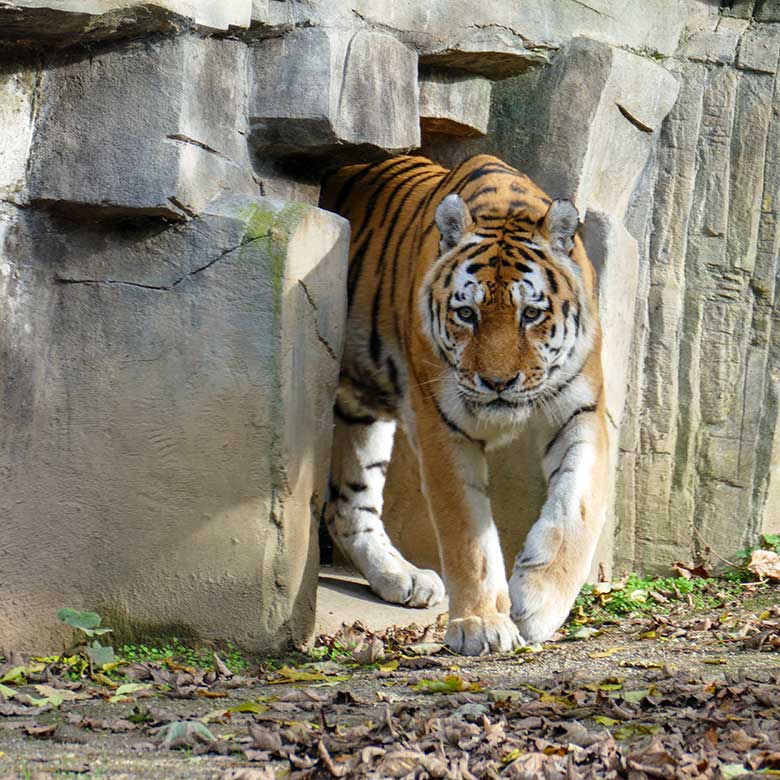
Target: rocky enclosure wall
171, 299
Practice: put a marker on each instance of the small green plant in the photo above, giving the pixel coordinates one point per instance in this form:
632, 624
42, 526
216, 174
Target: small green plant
335, 652
88, 624
177, 652
635, 594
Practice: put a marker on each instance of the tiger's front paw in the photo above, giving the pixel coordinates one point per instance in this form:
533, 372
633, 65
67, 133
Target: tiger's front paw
412, 587
541, 601
480, 635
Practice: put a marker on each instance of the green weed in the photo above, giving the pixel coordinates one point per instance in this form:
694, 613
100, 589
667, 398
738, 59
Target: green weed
638, 595
176, 651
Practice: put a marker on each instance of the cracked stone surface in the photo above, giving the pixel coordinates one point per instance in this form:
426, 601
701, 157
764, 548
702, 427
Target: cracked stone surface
320, 89
155, 129
166, 420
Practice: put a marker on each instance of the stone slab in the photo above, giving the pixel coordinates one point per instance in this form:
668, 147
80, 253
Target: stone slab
530, 29
343, 597
759, 49
156, 129
767, 11
621, 99
67, 22
166, 424
17, 89
316, 89
453, 103
718, 45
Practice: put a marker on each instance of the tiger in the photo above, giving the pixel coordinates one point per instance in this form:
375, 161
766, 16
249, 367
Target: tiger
472, 316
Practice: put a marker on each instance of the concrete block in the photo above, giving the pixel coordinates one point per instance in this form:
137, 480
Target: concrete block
499, 39
322, 88
166, 421
717, 45
759, 49
157, 129
622, 99
453, 103
66, 22
493, 52
16, 120
767, 11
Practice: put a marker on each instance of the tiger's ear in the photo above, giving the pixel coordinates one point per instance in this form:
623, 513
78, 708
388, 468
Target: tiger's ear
560, 224
452, 218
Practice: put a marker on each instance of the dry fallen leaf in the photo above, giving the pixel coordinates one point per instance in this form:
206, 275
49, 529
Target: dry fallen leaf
765, 563
264, 773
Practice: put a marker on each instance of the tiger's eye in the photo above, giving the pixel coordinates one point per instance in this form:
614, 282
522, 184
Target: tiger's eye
531, 313
466, 314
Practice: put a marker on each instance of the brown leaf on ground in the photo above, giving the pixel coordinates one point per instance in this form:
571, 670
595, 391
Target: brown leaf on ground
265, 739
765, 563
40, 732
368, 651
263, 773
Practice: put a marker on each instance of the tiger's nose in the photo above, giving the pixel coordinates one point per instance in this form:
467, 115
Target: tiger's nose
498, 384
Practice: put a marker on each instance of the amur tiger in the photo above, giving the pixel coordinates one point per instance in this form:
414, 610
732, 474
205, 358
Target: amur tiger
473, 315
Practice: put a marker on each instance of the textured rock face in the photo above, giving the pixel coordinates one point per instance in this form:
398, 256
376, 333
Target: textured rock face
320, 88
169, 336
166, 420
158, 129
699, 460
453, 103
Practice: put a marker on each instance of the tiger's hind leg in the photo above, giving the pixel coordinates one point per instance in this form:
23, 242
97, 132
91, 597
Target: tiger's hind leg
361, 452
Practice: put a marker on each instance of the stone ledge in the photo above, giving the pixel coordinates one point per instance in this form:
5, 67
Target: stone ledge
453, 103
68, 22
318, 89
154, 129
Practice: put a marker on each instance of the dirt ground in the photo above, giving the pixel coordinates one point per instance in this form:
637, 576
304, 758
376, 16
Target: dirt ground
688, 695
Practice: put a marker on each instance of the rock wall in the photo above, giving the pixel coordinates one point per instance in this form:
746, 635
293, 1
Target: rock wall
171, 299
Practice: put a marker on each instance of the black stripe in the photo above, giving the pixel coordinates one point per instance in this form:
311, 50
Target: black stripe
480, 193
477, 250
479, 173
525, 269
565, 309
454, 427
356, 487
474, 267
392, 370
352, 419
557, 471
575, 413
394, 269
355, 269
564, 456
552, 280
375, 342
369, 509
396, 179
346, 188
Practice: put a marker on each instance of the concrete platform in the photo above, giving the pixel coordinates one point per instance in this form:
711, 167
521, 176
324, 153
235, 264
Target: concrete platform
343, 597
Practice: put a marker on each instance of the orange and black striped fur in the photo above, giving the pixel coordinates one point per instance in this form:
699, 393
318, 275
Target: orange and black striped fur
472, 316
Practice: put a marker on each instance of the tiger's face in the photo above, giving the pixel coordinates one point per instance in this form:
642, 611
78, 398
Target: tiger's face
503, 308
